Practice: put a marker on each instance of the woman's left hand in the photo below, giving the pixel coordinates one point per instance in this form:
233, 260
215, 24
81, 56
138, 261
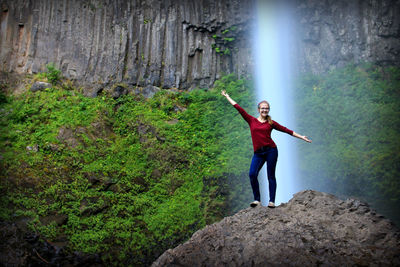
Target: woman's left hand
302, 137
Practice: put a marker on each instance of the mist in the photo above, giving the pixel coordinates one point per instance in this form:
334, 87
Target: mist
351, 112
275, 63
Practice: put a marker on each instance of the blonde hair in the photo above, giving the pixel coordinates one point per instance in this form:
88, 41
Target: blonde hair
269, 119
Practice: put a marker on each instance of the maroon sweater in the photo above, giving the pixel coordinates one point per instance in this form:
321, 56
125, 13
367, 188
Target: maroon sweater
261, 131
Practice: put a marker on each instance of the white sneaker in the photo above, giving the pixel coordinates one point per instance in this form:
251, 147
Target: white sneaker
255, 203
271, 205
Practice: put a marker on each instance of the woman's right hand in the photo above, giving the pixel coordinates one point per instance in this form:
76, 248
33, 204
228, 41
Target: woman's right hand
223, 92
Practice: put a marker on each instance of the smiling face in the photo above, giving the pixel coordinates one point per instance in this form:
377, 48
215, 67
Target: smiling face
263, 109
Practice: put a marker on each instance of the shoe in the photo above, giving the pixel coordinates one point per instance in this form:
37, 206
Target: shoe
271, 205
255, 203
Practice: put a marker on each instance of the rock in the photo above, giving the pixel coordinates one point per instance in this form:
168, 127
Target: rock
313, 228
59, 219
22, 248
53, 147
145, 129
39, 86
34, 148
69, 136
92, 90
174, 43
90, 207
341, 32
100, 129
141, 42
118, 91
147, 92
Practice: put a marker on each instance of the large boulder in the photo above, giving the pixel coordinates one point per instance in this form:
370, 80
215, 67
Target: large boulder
313, 228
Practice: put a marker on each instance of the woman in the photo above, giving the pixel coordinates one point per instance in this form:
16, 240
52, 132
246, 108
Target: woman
264, 148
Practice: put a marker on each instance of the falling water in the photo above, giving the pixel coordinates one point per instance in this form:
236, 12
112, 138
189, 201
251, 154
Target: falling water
273, 40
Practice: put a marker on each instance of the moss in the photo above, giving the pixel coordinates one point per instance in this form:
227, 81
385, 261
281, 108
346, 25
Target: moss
132, 184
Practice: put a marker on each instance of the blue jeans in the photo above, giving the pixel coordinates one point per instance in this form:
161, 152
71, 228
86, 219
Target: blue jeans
269, 155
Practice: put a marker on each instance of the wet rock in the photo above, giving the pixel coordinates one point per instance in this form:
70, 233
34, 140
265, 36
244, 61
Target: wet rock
40, 86
313, 228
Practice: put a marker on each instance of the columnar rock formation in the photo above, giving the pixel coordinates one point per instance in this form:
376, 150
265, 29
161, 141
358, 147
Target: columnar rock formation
335, 33
312, 229
162, 43
184, 43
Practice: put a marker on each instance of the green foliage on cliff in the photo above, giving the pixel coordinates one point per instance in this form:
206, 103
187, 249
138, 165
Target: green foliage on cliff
353, 116
53, 75
126, 178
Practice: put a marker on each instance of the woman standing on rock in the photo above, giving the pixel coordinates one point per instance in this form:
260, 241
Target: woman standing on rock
265, 149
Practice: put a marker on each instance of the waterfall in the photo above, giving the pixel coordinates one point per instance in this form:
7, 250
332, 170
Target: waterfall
273, 40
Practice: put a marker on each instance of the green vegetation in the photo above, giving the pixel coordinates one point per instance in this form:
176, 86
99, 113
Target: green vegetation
224, 42
353, 116
126, 178
129, 178
53, 75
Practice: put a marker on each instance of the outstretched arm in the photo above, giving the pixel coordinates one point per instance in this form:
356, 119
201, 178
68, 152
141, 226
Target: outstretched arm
302, 137
224, 93
242, 112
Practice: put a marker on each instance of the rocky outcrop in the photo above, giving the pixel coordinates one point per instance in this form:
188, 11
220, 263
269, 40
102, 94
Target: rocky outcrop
184, 43
312, 229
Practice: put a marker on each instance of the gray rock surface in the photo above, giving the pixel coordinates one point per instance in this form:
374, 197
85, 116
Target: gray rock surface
140, 42
175, 43
312, 229
39, 86
334, 33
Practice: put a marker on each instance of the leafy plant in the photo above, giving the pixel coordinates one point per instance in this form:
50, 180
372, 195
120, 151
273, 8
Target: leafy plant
53, 74
224, 42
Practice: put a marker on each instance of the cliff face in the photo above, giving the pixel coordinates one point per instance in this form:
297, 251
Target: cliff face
184, 44
312, 229
161, 43
334, 33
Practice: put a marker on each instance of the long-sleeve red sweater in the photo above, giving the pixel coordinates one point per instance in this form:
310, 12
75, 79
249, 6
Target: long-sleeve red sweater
261, 131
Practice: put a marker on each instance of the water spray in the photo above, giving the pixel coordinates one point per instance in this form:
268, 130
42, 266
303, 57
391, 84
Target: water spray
273, 41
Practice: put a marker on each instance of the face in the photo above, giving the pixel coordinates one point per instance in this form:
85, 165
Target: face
263, 109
